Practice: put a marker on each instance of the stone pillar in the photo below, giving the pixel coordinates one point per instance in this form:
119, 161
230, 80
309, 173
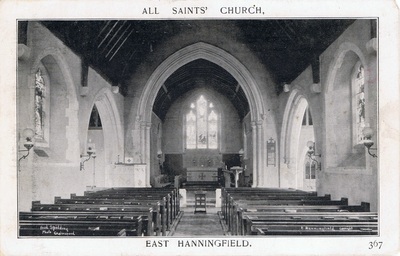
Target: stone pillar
147, 153
143, 142
260, 156
255, 166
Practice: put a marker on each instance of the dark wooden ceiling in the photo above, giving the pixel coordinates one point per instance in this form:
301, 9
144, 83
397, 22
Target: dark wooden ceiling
200, 74
115, 48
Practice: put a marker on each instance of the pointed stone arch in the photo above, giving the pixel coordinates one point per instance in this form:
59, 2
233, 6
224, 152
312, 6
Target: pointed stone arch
291, 164
111, 123
222, 58
339, 57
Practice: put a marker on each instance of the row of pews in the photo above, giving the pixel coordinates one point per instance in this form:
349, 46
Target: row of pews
109, 212
270, 211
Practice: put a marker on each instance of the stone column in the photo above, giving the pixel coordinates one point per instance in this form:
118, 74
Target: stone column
260, 155
254, 142
147, 152
142, 142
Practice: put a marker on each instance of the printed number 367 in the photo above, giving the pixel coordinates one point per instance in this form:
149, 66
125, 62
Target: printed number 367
375, 244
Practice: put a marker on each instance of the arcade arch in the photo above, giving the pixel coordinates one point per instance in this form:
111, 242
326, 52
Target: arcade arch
294, 138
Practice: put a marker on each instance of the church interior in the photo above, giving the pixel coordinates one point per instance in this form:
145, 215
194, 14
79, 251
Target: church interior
235, 126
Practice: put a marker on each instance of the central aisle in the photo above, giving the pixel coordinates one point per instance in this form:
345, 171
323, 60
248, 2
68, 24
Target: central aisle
199, 224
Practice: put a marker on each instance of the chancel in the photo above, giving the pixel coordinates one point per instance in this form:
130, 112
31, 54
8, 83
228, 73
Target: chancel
127, 127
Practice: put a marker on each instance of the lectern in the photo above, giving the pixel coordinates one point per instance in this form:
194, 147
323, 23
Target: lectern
237, 170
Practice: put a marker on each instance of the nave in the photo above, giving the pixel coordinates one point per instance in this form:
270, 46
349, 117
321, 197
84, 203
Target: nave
289, 149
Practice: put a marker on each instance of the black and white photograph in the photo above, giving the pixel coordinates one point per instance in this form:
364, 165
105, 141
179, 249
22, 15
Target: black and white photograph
197, 128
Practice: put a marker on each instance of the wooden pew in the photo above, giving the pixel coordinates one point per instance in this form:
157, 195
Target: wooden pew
55, 224
282, 200
318, 228
240, 209
137, 191
152, 212
238, 203
157, 207
164, 209
168, 206
253, 219
122, 192
261, 193
171, 194
264, 196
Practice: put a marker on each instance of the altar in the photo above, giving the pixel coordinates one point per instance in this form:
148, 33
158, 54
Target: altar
202, 174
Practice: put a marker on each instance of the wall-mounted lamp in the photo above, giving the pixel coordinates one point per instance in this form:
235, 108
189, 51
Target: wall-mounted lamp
91, 153
159, 154
311, 154
367, 132
27, 135
159, 157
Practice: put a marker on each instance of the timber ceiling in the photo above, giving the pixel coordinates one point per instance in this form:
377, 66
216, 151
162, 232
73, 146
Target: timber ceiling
115, 48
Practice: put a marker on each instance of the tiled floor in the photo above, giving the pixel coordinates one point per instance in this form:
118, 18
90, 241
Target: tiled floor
199, 224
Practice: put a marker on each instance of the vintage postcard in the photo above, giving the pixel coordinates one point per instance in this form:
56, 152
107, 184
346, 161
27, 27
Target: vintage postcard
199, 127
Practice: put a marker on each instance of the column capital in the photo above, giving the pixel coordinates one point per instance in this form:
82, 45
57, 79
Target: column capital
145, 124
316, 88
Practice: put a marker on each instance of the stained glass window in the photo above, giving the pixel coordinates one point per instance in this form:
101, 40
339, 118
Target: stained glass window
201, 107
202, 125
191, 130
40, 90
212, 130
360, 103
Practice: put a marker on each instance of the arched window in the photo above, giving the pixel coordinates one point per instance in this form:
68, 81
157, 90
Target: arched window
95, 121
307, 119
202, 125
359, 103
309, 170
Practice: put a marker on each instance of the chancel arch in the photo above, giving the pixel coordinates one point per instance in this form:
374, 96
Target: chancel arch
230, 64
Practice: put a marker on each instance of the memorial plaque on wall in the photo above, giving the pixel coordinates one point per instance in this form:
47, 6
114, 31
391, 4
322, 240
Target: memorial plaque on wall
271, 152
